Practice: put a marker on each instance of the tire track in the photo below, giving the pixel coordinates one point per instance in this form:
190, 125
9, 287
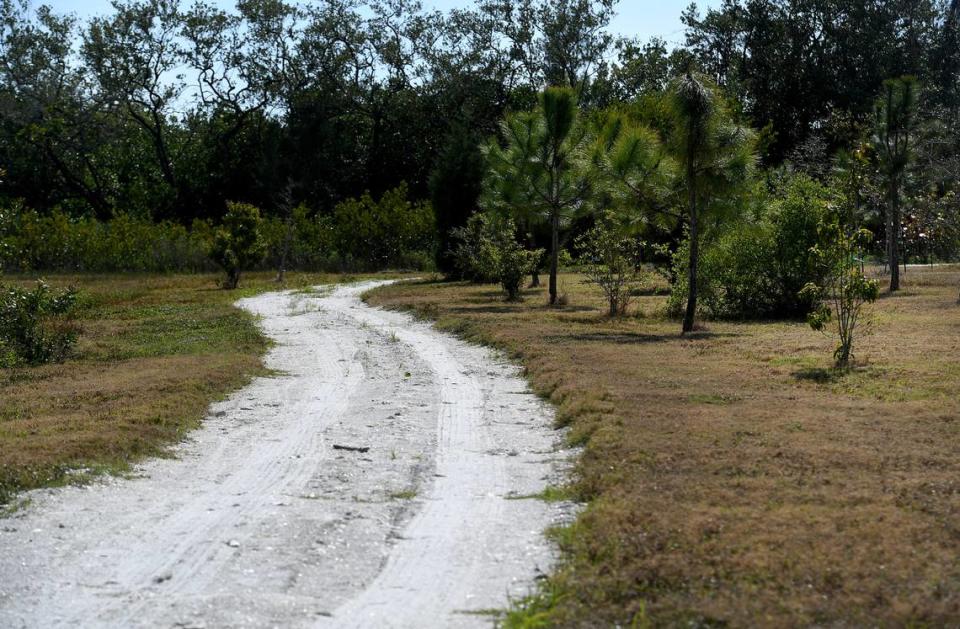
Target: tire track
259, 521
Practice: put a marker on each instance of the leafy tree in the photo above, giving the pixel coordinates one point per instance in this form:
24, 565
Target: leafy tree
795, 64
714, 157
895, 113
238, 244
49, 129
539, 172
135, 55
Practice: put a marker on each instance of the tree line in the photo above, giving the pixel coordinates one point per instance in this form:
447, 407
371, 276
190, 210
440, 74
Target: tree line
165, 111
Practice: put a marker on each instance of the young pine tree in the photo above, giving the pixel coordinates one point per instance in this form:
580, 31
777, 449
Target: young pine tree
539, 171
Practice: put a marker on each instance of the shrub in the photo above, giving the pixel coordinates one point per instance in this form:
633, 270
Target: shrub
757, 268
385, 233
843, 291
30, 241
238, 244
608, 259
487, 250
311, 244
513, 262
35, 325
472, 251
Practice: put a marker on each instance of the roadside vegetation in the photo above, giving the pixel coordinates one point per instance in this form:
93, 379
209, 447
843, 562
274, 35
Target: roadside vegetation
154, 352
735, 474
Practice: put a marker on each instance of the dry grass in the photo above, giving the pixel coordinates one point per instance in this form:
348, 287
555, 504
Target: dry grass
733, 476
156, 350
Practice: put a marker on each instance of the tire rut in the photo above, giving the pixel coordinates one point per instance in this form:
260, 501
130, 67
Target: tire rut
259, 521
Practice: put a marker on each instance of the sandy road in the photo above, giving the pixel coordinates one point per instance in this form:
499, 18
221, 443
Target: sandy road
261, 521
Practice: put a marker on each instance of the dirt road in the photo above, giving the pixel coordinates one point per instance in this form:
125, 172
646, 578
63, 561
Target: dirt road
366, 485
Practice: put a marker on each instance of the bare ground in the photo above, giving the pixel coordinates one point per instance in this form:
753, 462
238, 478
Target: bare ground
260, 520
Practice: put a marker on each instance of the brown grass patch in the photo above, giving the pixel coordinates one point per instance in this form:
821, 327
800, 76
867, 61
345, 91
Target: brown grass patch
155, 352
733, 476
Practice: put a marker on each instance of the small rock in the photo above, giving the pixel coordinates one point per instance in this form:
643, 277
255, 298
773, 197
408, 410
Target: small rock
233, 544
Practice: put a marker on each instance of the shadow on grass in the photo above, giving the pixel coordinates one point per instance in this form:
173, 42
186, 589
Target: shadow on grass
503, 307
902, 293
620, 338
821, 375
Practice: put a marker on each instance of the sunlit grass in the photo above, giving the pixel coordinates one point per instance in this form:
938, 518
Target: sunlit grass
734, 477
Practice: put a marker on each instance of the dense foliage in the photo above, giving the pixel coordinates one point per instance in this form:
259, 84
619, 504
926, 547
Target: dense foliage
30, 241
391, 232
486, 250
35, 325
755, 267
285, 104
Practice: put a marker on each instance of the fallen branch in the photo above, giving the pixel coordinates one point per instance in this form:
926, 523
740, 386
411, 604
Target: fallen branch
351, 448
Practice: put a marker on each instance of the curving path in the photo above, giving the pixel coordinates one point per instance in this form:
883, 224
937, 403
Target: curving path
366, 485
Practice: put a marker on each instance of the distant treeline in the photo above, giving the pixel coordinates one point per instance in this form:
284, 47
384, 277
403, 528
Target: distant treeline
361, 234
161, 111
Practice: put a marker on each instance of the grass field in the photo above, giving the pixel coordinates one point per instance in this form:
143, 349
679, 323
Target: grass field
732, 476
155, 351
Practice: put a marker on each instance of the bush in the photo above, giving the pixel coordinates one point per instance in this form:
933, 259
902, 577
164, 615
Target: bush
311, 246
472, 251
35, 325
609, 260
390, 233
513, 263
360, 234
757, 268
487, 251
238, 244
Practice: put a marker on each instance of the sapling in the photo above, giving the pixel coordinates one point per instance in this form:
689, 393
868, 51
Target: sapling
844, 291
238, 243
607, 259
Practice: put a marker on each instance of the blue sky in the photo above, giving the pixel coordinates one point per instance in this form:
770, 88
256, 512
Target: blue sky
643, 18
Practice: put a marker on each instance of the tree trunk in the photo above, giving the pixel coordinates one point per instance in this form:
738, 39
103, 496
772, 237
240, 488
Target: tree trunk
285, 250
694, 261
554, 256
233, 279
535, 279
691, 312
893, 236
